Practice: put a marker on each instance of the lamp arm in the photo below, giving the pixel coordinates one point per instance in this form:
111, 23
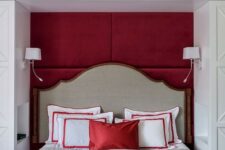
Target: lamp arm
39, 78
189, 73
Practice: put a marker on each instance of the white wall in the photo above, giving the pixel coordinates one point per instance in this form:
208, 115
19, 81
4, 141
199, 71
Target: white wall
201, 76
201, 39
22, 74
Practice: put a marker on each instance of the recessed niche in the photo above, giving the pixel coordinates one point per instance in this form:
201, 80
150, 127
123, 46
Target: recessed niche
22, 121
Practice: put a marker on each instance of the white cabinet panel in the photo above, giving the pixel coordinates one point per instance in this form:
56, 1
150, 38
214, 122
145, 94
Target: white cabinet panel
4, 97
221, 138
4, 29
221, 75
221, 94
221, 33
221, 62
7, 137
4, 138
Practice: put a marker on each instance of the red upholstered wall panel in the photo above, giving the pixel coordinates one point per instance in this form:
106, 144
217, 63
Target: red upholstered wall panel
52, 76
151, 39
172, 77
72, 42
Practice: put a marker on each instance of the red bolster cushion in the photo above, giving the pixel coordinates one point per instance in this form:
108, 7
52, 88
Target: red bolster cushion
113, 136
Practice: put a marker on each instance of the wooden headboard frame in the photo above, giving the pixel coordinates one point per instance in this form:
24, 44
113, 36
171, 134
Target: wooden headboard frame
34, 108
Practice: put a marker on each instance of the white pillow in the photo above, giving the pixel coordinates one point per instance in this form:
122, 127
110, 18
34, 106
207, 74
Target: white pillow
54, 110
173, 137
170, 124
152, 131
74, 129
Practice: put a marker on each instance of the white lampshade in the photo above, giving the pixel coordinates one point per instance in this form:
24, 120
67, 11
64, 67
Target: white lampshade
191, 53
33, 54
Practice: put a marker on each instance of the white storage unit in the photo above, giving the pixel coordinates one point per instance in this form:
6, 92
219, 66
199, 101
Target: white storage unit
14, 74
209, 81
7, 61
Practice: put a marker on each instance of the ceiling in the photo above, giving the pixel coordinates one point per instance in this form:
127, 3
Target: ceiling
112, 5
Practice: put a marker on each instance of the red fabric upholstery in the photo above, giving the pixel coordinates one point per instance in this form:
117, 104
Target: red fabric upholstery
53, 76
72, 42
172, 77
151, 39
113, 136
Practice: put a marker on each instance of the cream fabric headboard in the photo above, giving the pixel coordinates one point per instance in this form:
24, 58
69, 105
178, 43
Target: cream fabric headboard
113, 87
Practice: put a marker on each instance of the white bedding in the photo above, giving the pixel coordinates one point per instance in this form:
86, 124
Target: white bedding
180, 146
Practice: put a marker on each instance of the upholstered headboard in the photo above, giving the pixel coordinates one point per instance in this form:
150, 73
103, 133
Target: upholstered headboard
113, 87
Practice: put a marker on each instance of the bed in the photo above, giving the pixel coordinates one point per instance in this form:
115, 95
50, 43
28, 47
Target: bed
113, 87
180, 146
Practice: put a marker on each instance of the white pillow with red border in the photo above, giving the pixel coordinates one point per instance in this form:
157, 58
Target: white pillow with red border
73, 130
173, 136
153, 131
54, 110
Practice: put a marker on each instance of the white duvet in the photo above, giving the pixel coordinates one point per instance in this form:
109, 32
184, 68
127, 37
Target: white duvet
180, 146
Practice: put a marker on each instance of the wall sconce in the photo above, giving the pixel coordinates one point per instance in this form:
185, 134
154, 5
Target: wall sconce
33, 54
191, 53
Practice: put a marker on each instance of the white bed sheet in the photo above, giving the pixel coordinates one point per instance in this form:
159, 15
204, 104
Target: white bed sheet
180, 146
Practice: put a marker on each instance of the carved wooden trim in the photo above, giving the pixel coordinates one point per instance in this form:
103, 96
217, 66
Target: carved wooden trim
188, 117
35, 123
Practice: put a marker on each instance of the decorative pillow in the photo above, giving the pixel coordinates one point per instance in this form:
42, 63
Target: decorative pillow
54, 110
153, 131
74, 129
173, 138
170, 123
113, 136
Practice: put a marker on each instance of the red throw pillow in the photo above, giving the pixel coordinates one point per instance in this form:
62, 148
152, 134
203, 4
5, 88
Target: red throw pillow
113, 136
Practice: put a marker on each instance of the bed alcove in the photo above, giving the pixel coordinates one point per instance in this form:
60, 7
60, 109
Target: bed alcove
140, 40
